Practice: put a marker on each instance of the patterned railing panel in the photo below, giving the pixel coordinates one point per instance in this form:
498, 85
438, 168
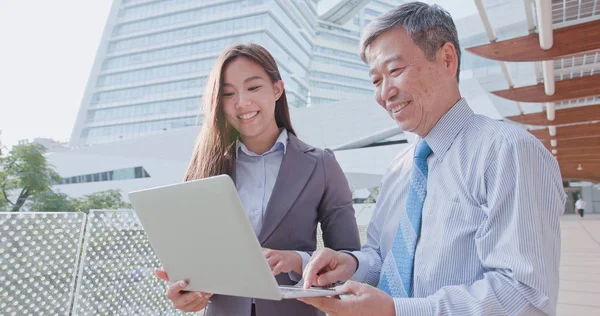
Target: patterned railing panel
116, 275
41, 272
39, 253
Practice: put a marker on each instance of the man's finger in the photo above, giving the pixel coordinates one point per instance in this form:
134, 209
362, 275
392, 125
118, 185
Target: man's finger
325, 304
310, 274
313, 268
328, 277
161, 274
174, 289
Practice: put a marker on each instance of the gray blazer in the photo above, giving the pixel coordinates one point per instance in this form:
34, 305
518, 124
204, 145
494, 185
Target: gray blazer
310, 188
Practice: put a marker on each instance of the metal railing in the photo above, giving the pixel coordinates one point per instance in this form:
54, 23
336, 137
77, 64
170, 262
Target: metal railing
76, 264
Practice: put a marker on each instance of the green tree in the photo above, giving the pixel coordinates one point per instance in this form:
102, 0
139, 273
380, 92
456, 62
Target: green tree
25, 172
109, 199
2, 201
50, 201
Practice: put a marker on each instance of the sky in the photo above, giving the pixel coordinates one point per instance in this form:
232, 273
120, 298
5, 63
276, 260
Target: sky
47, 52
48, 48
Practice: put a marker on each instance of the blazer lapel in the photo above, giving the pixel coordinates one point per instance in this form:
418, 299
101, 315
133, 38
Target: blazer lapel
232, 175
295, 171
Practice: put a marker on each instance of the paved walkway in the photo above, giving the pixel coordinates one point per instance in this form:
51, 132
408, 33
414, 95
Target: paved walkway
580, 266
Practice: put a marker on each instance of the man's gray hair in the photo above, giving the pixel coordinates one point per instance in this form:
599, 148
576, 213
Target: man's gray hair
429, 27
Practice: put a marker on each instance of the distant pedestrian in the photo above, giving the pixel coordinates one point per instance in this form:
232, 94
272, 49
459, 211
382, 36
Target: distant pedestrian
580, 206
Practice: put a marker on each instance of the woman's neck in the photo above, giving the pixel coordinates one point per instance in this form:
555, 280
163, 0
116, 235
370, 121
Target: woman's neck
263, 142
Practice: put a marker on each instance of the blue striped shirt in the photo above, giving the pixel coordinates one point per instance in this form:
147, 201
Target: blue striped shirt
490, 238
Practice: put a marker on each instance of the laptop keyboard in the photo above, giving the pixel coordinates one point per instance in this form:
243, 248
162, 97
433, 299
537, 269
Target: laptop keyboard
296, 289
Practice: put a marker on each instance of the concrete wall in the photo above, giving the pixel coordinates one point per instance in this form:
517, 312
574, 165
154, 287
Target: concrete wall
591, 196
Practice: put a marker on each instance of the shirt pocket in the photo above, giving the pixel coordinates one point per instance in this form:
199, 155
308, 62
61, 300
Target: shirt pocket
447, 249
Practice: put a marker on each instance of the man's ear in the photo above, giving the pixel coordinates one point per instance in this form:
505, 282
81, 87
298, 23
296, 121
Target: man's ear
448, 56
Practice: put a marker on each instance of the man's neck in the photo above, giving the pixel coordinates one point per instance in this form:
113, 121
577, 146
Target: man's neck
444, 107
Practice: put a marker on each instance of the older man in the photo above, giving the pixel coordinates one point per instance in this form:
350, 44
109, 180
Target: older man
467, 222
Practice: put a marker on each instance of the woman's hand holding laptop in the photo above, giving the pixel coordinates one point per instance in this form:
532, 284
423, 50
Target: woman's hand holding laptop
280, 261
185, 301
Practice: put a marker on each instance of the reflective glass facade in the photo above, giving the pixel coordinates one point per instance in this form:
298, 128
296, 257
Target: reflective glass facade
112, 175
155, 56
338, 73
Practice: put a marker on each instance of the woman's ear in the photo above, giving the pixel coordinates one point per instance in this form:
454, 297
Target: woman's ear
278, 88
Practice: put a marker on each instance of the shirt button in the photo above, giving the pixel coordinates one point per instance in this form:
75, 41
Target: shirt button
255, 211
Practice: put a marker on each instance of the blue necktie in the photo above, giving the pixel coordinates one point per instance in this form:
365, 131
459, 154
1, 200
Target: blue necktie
397, 269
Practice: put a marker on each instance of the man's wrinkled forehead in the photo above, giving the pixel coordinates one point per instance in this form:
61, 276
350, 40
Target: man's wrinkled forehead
384, 40
383, 61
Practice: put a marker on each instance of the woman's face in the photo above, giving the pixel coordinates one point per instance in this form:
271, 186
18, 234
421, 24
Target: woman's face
248, 96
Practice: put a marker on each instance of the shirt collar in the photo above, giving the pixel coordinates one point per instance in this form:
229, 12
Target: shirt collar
447, 128
280, 144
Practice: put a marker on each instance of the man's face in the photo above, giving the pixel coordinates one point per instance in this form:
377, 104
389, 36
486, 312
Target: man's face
407, 84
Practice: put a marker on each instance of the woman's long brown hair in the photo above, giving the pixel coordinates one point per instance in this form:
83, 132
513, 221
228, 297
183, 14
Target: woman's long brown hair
214, 151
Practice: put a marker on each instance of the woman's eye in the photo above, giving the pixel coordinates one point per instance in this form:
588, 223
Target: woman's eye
253, 88
227, 94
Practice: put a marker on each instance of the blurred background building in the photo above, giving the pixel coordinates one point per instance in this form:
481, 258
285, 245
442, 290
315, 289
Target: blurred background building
147, 81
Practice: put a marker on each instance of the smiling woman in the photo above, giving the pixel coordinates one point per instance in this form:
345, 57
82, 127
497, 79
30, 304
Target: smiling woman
249, 103
244, 80
286, 186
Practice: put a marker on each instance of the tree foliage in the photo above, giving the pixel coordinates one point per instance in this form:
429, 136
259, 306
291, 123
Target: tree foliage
26, 180
50, 201
107, 200
24, 172
59, 202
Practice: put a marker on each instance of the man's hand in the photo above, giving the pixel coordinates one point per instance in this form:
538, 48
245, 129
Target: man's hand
283, 261
367, 300
185, 301
327, 266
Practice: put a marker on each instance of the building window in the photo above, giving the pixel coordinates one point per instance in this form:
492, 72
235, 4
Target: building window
121, 174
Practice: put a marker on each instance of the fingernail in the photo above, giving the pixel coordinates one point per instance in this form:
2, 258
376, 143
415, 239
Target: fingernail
182, 283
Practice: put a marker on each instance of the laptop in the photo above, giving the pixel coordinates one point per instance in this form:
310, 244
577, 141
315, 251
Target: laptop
200, 233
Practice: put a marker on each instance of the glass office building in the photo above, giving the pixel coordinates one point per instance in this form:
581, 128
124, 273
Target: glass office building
154, 58
337, 72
